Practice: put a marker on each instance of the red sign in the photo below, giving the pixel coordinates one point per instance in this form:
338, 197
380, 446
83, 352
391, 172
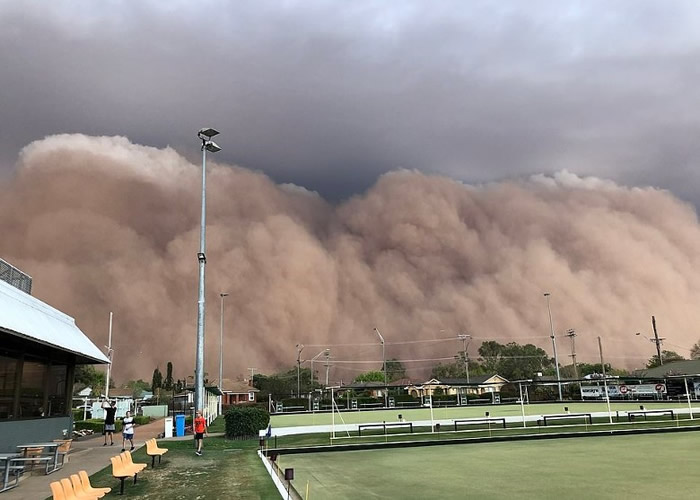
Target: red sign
624, 389
659, 387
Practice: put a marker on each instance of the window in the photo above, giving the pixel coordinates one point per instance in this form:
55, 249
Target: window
31, 398
57, 390
8, 372
251, 396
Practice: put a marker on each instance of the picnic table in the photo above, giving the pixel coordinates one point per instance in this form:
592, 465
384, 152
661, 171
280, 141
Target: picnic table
49, 455
7, 459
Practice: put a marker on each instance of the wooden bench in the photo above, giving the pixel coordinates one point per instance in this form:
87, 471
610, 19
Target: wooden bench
293, 408
384, 426
632, 414
469, 421
371, 405
403, 404
564, 416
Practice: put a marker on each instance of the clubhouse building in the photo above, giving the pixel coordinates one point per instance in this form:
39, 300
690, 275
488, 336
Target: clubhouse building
39, 349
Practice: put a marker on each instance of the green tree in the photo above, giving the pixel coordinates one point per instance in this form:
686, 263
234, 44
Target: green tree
138, 387
157, 380
695, 350
88, 376
394, 370
168, 382
372, 376
667, 357
513, 361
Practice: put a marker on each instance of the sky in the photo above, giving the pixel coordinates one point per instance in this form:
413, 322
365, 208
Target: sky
424, 168
329, 95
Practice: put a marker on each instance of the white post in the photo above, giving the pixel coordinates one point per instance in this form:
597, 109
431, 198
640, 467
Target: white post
522, 403
432, 424
109, 355
687, 393
332, 414
85, 408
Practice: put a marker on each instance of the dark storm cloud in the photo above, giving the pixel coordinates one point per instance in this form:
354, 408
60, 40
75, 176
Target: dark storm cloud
331, 94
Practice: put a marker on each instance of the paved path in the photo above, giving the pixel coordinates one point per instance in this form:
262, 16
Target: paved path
88, 454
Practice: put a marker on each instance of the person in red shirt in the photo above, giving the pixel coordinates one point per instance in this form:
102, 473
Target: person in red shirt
200, 429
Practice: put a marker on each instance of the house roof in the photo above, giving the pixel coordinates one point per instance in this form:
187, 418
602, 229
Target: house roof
237, 387
686, 367
27, 317
475, 380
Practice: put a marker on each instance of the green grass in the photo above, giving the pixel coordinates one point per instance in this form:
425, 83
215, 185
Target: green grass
414, 414
228, 469
615, 467
218, 425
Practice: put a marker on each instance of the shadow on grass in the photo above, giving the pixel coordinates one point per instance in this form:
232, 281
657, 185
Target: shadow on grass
227, 469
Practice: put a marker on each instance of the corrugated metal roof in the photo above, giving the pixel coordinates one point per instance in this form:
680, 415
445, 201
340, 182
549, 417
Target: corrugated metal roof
28, 317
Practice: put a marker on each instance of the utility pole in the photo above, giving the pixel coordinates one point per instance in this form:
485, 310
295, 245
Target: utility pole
658, 341
252, 374
572, 335
554, 345
221, 353
465, 343
110, 354
300, 347
386, 389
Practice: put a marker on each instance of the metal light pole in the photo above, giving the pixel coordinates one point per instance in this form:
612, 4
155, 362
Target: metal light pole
110, 354
381, 339
221, 353
554, 344
205, 135
465, 338
300, 347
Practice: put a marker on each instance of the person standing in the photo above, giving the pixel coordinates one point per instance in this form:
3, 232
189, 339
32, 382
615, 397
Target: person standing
128, 431
110, 412
200, 430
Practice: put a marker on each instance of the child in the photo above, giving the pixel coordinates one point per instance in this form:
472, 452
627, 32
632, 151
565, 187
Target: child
200, 430
128, 431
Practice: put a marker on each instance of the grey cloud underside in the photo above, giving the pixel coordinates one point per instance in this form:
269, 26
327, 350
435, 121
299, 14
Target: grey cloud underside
331, 95
109, 225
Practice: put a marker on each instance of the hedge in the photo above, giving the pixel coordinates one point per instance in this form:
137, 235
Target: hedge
245, 422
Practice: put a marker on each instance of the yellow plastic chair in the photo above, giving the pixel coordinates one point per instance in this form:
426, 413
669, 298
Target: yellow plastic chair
85, 480
128, 462
80, 491
153, 451
57, 491
70, 493
120, 472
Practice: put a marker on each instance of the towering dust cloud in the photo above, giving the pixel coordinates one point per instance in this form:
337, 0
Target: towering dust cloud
105, 225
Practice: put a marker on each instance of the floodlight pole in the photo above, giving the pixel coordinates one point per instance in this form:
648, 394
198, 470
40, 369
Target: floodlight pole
110, 354
221, 353
300, 347
554, 345
205, 135
381, 339
605, 379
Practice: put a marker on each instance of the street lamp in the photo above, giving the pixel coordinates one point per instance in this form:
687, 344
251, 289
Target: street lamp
221, 353
381, 339
658, 341
300, 347
205, 135
465, 343
554, 344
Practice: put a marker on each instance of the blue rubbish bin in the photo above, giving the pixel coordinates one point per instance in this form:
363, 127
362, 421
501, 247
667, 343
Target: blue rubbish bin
179, 425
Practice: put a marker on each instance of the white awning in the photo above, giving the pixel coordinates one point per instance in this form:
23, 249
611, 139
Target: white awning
28, 317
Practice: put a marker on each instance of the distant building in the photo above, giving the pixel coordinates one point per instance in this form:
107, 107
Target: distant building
39, 349
476, 386
237, 392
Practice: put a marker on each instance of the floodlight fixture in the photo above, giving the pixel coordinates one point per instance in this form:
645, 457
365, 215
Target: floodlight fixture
211, 146
207, 133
